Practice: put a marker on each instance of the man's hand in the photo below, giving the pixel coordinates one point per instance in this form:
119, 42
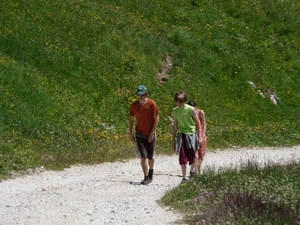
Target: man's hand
174, 146
150, 138
131, 137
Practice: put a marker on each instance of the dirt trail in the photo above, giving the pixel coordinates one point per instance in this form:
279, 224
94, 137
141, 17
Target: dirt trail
109, 193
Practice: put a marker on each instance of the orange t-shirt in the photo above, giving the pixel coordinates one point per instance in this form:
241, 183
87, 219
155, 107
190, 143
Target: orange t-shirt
144, 115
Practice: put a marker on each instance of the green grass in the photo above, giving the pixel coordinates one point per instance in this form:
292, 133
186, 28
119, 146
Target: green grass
250, 195
69, 69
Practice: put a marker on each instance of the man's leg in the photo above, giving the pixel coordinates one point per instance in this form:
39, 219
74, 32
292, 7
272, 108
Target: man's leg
151, 165
144, 166
143, 154
183, 170
150, 153
193, 166
192, 171
192, 161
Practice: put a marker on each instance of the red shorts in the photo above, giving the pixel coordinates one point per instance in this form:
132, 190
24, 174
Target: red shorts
186, 155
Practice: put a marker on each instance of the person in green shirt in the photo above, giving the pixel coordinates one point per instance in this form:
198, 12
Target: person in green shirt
186, 132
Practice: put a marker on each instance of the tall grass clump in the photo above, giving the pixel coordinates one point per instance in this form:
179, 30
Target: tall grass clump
249, 195
69, 69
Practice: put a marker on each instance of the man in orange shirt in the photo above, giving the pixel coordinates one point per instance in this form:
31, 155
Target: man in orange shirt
146, 113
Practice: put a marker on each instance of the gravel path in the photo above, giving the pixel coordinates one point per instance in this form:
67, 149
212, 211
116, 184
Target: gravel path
109, 193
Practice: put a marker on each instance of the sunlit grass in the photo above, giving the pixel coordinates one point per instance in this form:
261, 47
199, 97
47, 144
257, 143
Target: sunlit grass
252, 194
69, 69
68, 72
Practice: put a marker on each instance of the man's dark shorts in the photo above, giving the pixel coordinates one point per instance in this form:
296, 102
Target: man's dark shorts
146, 149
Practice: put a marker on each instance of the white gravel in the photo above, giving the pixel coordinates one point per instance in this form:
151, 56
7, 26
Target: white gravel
109, 193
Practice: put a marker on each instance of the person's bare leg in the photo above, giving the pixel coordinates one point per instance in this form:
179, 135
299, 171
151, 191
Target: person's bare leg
151, 163
193, 166
196, 166
144, 166
183, 170
196, 162
199, 165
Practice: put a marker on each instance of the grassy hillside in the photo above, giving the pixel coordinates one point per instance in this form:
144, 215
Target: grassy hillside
69, 69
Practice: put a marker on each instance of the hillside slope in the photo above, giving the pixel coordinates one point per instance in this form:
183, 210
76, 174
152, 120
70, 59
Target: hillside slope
69, 69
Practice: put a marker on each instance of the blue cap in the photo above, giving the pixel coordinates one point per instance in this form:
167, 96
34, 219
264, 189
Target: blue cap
141, 90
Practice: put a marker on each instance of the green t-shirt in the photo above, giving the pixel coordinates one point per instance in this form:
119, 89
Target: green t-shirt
185, 119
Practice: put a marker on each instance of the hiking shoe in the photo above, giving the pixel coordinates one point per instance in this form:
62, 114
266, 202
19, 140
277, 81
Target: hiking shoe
146, 180
192, 174
150, 174
184, 179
